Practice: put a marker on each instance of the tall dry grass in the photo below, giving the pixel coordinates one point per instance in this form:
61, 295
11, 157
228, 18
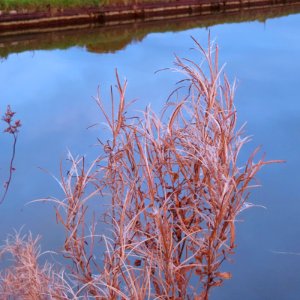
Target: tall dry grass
176, 189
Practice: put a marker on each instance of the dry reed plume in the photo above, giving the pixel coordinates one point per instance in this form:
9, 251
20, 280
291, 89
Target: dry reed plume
25, 279
12, 127
176, 189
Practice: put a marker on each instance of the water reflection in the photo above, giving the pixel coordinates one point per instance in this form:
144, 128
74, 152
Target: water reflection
52, 93
115, 36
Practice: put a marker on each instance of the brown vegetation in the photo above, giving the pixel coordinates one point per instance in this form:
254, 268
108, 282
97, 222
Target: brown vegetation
176, 189
26, 279
11, 127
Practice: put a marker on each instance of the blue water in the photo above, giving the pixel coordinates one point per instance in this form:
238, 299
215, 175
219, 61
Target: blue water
52, 92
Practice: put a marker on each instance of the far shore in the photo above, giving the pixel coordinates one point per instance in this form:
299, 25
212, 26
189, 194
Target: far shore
32, 18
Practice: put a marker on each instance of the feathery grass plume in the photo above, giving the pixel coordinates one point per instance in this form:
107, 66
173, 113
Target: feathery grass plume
176, 189
25, 278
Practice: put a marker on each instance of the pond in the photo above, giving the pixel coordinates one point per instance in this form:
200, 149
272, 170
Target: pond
50, 80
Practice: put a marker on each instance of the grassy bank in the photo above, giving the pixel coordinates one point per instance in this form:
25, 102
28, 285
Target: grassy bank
45, 4
62, 4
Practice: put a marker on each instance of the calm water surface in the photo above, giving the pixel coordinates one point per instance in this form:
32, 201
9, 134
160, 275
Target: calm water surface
52, 92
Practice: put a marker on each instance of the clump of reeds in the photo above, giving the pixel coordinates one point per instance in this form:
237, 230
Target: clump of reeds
176, 189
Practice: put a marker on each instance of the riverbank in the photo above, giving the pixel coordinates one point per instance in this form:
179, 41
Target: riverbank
113, 36
30, 18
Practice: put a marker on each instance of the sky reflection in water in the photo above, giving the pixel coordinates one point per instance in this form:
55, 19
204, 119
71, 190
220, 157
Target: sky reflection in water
52, 93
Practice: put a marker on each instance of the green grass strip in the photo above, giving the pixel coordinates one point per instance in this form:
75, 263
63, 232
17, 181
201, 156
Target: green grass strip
43, 4
46, 4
